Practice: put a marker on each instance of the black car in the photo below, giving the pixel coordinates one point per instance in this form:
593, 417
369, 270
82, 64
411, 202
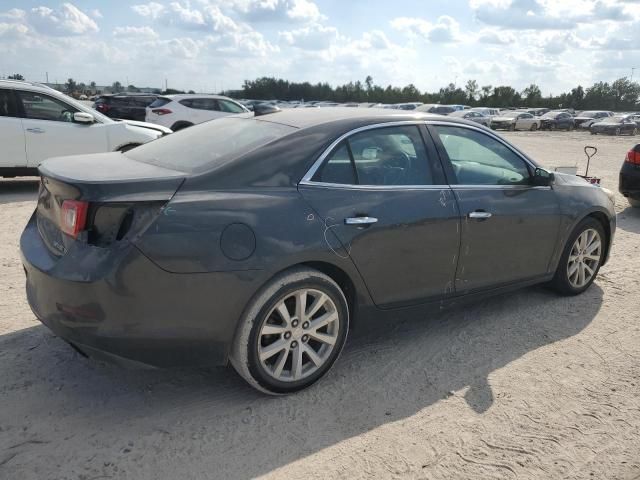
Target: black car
126, 107
629, 185
618, 125
260, 240
556, 121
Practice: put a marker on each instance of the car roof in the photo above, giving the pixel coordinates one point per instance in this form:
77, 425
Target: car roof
311, 117
182, 96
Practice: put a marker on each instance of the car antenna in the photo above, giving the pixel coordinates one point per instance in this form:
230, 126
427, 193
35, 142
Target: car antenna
264, 109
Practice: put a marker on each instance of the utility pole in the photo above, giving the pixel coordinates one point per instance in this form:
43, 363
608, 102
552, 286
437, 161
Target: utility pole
166, 85
47, 75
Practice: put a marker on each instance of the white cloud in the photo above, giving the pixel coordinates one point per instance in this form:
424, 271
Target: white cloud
445, 30
67, 20
277, 10
140, 33
313, 37
150, 10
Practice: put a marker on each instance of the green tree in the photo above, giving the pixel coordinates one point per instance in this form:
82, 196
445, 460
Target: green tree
116, 87
70, 86
15, 76
532, 95
471, 89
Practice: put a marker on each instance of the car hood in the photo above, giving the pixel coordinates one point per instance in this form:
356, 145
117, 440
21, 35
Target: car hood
150, 126
503, 119
582, 119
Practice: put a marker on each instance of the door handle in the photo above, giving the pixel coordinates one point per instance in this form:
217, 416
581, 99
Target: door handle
35, 130
360, 220
480, 215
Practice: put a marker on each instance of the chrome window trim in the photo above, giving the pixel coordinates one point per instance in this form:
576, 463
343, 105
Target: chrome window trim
306, 179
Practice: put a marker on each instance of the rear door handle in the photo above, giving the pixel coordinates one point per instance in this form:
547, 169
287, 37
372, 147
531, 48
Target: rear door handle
479, 214
360, 220
35, 130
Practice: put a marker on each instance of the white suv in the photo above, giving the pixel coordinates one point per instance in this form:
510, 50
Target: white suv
181, 111
38, 122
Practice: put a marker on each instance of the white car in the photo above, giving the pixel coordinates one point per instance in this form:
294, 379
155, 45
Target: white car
182, 111
486, 111
38, 122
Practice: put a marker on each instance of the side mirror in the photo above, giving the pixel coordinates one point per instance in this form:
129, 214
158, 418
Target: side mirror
542, 178
82, 117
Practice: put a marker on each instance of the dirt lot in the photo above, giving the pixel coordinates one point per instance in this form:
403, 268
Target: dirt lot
528, 385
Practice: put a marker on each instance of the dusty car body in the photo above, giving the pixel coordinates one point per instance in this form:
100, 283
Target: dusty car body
198, 250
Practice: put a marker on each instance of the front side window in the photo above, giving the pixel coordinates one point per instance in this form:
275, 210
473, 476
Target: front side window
382, 156
478, 159
201, 103
42, 107
229, 107
7, 104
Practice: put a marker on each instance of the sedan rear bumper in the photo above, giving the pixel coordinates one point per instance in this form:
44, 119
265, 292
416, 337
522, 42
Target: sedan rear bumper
629, 184
128, 308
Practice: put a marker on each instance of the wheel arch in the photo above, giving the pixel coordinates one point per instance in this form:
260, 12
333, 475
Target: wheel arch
180, 124
606, 225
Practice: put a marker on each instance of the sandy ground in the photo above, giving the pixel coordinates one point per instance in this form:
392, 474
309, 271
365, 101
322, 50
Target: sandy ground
528, 385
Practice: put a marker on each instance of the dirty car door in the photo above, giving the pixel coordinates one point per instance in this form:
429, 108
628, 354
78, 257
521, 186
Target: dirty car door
382, 196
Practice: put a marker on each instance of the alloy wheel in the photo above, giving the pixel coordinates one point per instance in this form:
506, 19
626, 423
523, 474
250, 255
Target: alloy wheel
584, 258
298, 335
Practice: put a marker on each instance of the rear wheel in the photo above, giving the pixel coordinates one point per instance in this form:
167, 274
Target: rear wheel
292, 332
534, 127
581, 259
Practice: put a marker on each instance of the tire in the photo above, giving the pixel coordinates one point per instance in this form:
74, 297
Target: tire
534, 127
552, 127
618, 131
281, 293
593, 133
567, 283
634, 132
635, 203
512, 127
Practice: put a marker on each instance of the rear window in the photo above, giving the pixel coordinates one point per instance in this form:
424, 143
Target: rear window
209, 145
159, 102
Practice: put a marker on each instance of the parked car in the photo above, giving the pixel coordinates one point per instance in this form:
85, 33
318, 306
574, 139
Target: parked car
129, 107
472, 116
587, 118
556, 121
407, 106
629, 183
182, 111
435, 108
38, 122
515, 120
617, 125
487, 112
262, 251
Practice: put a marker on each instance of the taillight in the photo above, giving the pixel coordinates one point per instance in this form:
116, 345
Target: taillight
161, 111
102, 107
633, 157
73, 217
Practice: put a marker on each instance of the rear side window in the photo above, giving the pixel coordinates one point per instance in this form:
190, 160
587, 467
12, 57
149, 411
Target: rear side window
385, 156
209, 145
43, 107
7, 104
201, 103
159, 102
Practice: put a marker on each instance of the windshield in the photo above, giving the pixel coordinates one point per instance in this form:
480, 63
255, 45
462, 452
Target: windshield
209, 145
613, 120
589, 114
550, 115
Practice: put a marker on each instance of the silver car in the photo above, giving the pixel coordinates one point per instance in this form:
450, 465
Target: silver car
472, 116
515, 121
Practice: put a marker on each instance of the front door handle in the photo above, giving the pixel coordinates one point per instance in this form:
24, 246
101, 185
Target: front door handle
480, 214
35, 130
360, 220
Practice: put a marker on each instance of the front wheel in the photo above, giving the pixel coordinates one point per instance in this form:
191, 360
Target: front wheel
534, 127
292, 332
581, 259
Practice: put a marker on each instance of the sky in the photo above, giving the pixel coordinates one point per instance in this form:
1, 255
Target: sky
210, 45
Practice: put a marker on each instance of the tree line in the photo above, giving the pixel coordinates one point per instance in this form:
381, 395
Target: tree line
622, 94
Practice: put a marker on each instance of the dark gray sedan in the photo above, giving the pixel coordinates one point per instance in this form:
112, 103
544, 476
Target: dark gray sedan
260, 240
